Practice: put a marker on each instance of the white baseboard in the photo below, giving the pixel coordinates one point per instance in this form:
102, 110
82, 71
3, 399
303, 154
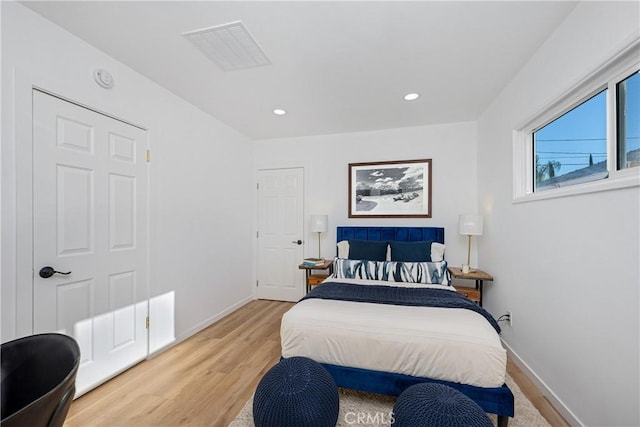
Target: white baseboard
203, 325
569, 416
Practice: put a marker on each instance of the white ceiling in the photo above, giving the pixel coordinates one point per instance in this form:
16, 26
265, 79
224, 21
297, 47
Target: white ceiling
336, 66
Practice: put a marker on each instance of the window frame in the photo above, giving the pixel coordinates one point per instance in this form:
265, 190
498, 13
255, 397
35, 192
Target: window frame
615, 118
605, 77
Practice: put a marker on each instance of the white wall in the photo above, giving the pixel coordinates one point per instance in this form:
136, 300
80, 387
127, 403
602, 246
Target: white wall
571, 283
199, 236
452, 147
566, 267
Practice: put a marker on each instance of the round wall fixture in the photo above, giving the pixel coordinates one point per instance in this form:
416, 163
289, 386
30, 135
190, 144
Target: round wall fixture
103, 78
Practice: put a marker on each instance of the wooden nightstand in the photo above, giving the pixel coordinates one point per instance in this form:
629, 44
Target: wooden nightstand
471, 293
315, 279
474, 294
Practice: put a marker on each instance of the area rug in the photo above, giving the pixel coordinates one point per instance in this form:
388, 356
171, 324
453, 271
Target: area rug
368, 409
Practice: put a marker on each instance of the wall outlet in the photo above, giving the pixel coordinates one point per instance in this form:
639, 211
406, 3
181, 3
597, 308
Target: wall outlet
510, 314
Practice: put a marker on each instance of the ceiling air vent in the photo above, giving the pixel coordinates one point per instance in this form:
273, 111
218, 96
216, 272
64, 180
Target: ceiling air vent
230, 46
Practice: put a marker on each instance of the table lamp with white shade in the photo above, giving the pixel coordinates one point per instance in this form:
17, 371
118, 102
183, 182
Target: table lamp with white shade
469, 225
319, 224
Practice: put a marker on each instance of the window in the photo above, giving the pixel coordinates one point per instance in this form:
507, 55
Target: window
572, 148
588, 140
628, 123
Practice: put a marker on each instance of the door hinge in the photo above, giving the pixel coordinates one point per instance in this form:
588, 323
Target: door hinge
257, 185
148, 156
256, 283
147, 322
257, 234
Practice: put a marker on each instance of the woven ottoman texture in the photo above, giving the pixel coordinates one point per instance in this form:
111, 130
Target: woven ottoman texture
437, 405
296, 392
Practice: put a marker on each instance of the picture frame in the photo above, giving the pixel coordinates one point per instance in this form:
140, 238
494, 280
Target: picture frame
393, 189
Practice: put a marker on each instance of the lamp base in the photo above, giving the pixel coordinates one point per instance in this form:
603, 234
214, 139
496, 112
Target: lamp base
466, 269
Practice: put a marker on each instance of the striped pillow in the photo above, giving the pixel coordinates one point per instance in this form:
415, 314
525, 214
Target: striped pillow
393, 271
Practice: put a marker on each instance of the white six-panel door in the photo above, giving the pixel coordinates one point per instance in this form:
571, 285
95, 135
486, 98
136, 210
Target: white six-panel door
280, 227
90, 219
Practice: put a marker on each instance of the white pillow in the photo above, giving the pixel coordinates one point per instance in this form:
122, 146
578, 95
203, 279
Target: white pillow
343, 249
437, 252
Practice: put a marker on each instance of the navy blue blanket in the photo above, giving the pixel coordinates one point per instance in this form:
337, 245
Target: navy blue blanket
395, 295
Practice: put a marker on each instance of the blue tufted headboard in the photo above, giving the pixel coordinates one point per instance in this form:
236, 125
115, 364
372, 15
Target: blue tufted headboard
401, 234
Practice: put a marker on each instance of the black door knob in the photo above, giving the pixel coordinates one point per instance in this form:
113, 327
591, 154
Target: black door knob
46, 272
297, 242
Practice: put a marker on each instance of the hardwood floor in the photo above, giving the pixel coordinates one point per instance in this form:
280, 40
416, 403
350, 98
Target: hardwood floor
538, 399
207, 379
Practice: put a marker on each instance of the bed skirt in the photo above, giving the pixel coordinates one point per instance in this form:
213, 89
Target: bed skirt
498, 400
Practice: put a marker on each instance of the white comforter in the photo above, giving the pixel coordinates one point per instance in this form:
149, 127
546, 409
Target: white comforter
448, 344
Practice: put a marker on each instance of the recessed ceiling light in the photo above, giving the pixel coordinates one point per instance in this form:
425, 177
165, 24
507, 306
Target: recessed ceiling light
279, 112
411, 96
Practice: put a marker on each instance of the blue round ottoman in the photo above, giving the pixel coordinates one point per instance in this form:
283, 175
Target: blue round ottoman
437, 405
296, 392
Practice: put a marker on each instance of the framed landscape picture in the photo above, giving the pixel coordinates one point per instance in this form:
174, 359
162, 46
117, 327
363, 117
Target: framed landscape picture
398, 189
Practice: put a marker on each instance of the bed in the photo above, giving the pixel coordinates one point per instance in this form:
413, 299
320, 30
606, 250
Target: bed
366, 327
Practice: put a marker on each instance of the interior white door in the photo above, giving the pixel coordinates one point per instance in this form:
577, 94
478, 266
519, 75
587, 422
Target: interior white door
280, 234
90, 219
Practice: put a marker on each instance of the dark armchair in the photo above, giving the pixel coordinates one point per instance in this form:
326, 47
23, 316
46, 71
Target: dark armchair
38, 380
